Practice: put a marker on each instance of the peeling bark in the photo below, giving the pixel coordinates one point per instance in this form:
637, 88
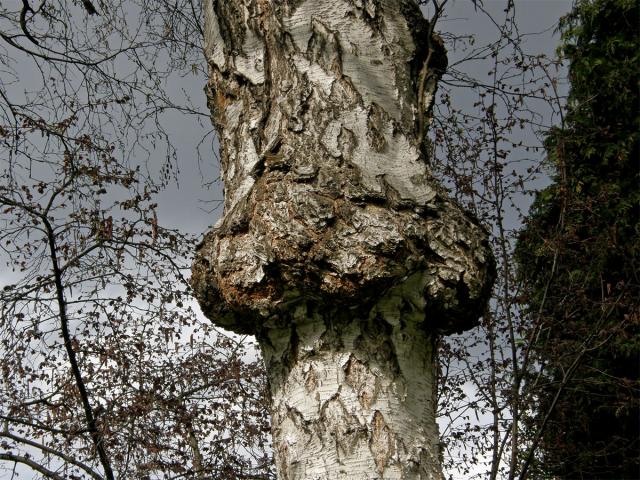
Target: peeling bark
337, 248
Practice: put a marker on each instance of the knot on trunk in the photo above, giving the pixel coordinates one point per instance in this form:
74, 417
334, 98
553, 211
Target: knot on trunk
328, 195
304, 246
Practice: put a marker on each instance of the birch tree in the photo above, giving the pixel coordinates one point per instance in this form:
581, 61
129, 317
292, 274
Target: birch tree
337, 247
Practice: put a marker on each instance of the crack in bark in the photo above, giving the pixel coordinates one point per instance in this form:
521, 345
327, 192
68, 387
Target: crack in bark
382, 442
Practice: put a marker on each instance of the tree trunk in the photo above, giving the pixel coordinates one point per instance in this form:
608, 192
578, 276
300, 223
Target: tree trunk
353, 397
337, 249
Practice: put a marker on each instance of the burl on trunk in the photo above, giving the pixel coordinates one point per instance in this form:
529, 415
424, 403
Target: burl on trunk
337, 248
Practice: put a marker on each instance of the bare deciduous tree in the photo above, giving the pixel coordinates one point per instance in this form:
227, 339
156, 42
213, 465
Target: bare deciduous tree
106, 371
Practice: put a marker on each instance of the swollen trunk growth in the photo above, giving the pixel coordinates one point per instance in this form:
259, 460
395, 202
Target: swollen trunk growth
337, 249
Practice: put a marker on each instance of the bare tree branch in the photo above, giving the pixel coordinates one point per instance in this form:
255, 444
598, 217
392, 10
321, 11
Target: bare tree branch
31, 464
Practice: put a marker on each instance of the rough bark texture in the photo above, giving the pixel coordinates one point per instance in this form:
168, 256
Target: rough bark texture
354, 392
336, 249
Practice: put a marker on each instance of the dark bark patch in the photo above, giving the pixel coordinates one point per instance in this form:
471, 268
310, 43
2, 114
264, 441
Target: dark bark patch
324, 47
364, 383
375, 121
382, 443
311, 381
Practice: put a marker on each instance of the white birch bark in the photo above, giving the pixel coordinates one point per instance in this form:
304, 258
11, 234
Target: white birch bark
336, 249
354, 395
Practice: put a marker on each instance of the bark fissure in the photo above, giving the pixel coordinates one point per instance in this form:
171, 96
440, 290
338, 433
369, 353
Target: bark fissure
337, 248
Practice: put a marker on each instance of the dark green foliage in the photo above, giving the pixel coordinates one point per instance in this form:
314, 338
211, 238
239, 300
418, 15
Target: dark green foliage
579, 255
